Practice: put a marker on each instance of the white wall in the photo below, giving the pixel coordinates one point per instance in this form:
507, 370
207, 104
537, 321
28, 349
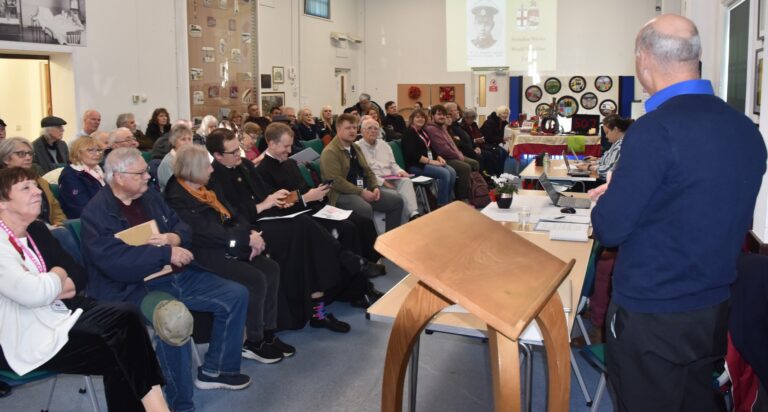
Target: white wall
288, 38
405, 44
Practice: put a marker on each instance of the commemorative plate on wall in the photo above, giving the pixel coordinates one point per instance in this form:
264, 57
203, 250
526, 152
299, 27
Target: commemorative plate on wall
542, 109
533, 94
607, 107
603, 83
567, 106
577, 84
588, 101
552, 85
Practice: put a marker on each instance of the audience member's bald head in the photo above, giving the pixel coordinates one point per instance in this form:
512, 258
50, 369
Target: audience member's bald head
667, 50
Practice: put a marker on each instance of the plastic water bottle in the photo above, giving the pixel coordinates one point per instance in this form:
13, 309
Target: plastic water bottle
545, 162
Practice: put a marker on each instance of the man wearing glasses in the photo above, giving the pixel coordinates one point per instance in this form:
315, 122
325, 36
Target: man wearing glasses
116, 272
50, 150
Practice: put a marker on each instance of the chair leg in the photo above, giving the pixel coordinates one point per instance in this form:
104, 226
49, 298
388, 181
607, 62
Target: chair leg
583, 329
91, 393
598, 393
50, 395
580, 379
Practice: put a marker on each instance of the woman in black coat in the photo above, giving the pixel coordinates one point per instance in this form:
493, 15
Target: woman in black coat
229, 247
159, 124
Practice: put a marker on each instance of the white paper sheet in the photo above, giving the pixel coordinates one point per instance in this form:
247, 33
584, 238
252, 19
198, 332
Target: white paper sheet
332, 213
291, 216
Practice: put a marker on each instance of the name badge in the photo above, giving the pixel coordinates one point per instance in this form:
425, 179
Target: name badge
429, 155
360, 183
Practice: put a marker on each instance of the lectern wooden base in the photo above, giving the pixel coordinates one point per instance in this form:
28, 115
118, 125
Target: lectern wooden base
499, 277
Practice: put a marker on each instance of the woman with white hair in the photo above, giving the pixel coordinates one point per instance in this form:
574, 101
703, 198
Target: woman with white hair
206, 127
181, 135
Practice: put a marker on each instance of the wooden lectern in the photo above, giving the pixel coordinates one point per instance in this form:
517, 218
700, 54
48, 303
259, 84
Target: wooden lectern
463, 257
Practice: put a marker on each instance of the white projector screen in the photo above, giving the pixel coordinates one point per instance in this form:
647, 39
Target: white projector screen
519, 34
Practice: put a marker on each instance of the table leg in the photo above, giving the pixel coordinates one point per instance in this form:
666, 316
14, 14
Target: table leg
505, 371
414, 375
555, 333
419, 307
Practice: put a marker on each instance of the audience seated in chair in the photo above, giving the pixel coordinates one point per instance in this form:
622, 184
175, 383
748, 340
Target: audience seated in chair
443, 145
50, 151
312, 262
354, 186
47, 327
225, 243
17, 152
128, 120
181, 135
250, 134
420, 159
382, 162
116, 273
158, 125
83, 178
91, 123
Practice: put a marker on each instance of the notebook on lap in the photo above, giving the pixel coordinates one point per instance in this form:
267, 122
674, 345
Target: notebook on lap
558, 199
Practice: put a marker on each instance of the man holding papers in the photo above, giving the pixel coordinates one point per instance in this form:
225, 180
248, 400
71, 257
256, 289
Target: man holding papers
678, 223
388, 173
116, 273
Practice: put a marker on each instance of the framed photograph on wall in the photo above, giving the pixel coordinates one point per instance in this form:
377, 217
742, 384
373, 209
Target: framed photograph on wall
270, 100
758, 85
278, 74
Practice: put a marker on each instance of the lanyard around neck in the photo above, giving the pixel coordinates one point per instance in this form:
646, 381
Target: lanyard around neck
34, 255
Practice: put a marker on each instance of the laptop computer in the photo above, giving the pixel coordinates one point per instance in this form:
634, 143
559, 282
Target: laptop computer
576, 172
558, 199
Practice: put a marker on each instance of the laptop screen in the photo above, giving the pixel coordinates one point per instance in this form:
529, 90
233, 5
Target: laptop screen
567, 163
547, 185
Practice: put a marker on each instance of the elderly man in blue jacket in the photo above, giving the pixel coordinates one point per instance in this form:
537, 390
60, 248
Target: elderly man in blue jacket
679, 224
116, 273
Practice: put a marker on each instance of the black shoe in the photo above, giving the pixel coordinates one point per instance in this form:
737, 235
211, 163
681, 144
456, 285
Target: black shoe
372, 270
232, 382
364, 302
331, 323
284, 348
262, 352
5, 389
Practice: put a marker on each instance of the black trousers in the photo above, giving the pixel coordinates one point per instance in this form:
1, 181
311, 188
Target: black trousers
665, 361
261, 276
109, 339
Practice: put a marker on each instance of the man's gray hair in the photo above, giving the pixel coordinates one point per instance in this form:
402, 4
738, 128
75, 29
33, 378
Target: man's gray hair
668, 49
114, 134
364, 96
119, 160
470, 114
123, 118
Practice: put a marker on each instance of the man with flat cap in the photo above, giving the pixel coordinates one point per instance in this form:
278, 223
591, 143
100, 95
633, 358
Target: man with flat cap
484, 13
2, 129
50, 151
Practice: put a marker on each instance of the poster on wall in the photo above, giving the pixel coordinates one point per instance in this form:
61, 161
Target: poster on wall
574, 94
486, 34
53, 22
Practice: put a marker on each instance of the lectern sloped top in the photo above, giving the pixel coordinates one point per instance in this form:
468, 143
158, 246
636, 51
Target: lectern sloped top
473, 261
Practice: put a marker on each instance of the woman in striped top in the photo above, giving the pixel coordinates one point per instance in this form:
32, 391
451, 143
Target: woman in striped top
614, 127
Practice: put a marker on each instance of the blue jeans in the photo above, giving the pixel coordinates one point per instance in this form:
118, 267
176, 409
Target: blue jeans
445, 176
202, 291
68, 243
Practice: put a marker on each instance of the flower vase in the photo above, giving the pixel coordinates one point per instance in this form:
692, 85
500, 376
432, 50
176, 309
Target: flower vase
504, 201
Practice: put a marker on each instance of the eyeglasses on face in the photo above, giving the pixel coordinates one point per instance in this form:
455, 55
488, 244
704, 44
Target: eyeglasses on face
233, 152
93, 150
141, 173
24, 153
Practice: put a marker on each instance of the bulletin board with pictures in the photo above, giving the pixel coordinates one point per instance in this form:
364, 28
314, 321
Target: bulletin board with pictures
220, 56
573, 95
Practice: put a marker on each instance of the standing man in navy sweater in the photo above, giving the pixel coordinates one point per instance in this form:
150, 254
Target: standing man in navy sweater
678, 223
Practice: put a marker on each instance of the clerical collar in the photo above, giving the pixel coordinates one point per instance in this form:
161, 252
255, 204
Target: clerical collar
695, 86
